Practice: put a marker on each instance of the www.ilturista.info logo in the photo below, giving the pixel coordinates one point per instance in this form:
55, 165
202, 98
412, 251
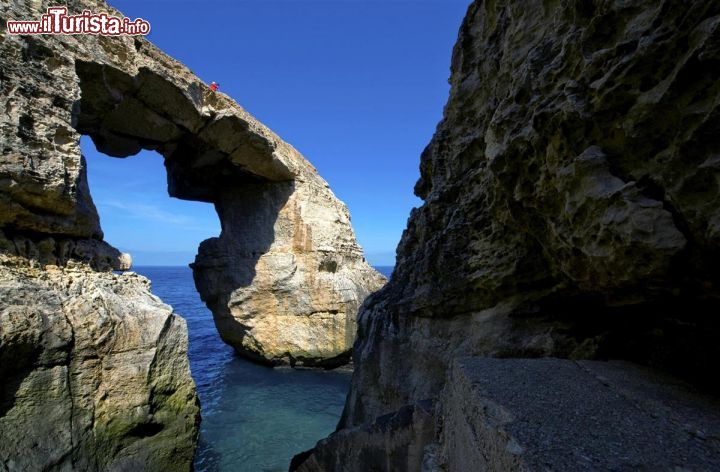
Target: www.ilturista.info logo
57, 21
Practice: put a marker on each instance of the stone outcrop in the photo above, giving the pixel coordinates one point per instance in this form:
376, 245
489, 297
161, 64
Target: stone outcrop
396, 441
94, 369
94, 372
557, 414
572, 209
286, 276
536, 414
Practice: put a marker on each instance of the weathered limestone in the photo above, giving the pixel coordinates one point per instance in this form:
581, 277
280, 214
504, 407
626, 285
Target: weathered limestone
536, 414
286, 276
572, 204
555, 414
94, 370
395, 441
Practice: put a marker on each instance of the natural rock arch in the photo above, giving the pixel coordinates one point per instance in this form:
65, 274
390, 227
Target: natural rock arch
284, 279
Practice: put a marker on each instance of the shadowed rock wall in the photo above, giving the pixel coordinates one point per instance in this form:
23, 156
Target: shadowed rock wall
572, 206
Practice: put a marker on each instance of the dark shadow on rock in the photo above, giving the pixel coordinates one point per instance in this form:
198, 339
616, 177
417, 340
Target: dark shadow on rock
247, 214
671, 333
17, 361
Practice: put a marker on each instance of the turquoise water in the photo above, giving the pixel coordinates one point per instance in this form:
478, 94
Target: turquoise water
254, 418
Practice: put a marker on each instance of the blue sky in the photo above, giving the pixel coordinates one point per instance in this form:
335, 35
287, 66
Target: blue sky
357, 86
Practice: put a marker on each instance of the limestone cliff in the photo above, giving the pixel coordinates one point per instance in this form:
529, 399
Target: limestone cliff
286, 276
94, 371
571, 209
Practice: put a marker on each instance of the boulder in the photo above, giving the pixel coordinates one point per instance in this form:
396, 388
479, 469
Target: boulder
94, 371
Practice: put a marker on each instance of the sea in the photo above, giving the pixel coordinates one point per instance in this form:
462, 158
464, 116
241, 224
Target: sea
254, 418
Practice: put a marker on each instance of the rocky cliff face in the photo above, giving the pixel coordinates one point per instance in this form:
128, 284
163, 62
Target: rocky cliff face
286, 276
94, 371
571, 209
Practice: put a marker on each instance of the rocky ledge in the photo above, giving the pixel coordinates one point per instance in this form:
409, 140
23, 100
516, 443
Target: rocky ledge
536, 414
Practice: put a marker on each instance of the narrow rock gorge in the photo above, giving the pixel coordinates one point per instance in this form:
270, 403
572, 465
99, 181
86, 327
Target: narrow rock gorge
571, 212
94, 367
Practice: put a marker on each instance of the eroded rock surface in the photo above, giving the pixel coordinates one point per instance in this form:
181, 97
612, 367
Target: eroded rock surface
557, 414
572, 203
94, 368
94, 372
286, 276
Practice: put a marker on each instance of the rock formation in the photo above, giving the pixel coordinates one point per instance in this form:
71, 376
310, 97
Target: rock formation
286, 276
94, 371
572, 209
536, 414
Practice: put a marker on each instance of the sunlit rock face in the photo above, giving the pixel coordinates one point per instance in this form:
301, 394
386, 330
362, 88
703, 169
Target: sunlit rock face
284, 279
572, 209
94, 371
286, 276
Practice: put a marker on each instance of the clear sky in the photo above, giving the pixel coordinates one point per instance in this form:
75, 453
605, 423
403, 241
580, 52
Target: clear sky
357, 86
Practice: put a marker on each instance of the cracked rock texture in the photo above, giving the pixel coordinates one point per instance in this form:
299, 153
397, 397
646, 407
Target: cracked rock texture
286, 276
94, 368
629, 418
571, 208
94, 372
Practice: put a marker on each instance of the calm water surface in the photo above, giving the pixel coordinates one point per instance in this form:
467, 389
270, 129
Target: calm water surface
254, 418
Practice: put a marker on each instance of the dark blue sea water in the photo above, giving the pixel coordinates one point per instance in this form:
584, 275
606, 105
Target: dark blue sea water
254, 418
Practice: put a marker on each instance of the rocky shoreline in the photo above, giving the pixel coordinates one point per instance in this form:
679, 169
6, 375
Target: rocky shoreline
560, 275
94, 367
